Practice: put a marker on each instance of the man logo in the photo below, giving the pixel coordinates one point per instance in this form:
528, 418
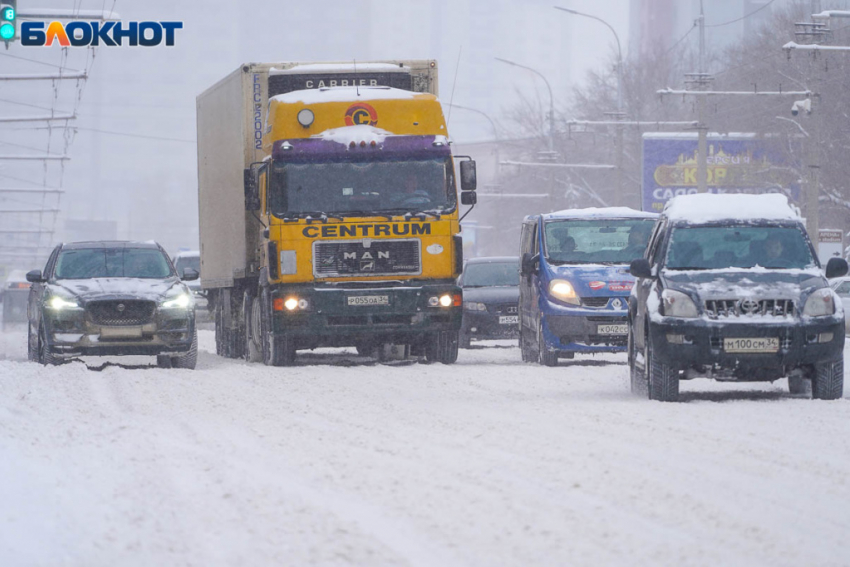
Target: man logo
367, 266
361, 113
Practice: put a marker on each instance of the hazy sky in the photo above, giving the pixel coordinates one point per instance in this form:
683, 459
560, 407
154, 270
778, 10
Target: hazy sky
148, 185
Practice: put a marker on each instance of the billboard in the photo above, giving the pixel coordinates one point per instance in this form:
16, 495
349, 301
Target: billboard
737, 163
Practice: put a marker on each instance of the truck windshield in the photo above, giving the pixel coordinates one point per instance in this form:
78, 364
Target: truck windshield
596, 241
362, 187
83, 263
718, 247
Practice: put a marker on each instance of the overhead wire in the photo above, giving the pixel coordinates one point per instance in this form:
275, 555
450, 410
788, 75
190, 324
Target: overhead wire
744, 17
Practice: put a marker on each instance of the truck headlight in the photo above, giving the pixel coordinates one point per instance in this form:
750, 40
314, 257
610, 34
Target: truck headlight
678, 304
180, 301
58, 303
820, 304
564, 291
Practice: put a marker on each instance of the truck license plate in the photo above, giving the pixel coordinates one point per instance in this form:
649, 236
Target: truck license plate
369, 300
620, 329
758, 344
509, 320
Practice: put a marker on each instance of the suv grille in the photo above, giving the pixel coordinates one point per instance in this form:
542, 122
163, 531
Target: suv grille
595, 301
366, 258
716, 308
121, 312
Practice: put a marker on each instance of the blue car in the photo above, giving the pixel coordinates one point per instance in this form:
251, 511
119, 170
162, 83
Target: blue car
575, 280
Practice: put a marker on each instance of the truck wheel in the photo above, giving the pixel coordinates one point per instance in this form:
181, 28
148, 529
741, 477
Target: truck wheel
277, 350
252, 351
442, 347
663, 379
546, 357
190, 358
44, 355
828, 381
638, 378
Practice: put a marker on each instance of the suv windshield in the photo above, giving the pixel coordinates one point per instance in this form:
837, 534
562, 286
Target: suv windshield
596, 241
487, 274
82, 263
718, 247
408, 186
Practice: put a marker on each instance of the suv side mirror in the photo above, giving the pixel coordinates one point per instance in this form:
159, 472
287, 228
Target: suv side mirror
34, 276
468, 179
836, 267
252, 193
640, 268
468, 197
190, 274
527, 267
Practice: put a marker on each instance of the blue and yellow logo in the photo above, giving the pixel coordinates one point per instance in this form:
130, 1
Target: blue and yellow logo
83, 34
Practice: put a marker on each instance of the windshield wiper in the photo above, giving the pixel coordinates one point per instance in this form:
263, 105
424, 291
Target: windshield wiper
311, 216
368, 214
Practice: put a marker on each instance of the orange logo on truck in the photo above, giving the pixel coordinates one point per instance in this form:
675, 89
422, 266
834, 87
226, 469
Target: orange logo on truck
361, 113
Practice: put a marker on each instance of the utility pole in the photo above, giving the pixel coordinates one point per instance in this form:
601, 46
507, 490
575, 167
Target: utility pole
702, 80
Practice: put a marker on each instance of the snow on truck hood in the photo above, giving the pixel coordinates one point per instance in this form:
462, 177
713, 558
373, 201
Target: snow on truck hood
103, 288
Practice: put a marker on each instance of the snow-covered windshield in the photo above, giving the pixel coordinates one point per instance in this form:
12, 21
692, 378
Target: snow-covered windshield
83, 263
362, 187
718, 247
596, 241
491, 274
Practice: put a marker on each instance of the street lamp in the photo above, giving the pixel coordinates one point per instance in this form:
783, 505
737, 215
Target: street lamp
492, 123
551, 101
619, 52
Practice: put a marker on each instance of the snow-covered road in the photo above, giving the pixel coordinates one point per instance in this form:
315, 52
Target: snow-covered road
339, 461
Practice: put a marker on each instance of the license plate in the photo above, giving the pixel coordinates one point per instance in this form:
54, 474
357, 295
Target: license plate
758, 344
612, 329
509, 320
120, 332
369, 300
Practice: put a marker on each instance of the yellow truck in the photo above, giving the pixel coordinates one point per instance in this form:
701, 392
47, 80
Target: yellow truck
328, 208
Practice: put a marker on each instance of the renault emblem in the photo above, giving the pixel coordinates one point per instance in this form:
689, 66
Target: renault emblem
617, 303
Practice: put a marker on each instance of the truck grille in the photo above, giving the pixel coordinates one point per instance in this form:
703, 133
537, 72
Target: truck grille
716, 308
365, 258
121, 312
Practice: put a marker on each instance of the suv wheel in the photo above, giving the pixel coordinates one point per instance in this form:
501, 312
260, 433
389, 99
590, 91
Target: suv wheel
828, 380
546, 357
638, 377
663, 379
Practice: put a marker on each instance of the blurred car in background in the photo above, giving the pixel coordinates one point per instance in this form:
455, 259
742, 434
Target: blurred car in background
841, 286
14, 294
111, 298
490, 299
192, 259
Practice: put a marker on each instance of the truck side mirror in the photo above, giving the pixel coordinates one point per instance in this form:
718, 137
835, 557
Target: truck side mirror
527, 266
640, 268
190, 274
468, 179
252, 193
836, 267
468, 197
34, 276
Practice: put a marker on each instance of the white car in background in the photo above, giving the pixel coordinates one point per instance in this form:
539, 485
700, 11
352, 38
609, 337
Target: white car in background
841, 286
192, 259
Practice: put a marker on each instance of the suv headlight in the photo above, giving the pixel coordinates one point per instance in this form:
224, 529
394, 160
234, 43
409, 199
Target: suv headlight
59, 303
678, 304
181, 300
820, 304
563, 291
473, 306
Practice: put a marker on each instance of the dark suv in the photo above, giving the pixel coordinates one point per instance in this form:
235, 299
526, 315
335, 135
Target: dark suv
111, 298
730, 288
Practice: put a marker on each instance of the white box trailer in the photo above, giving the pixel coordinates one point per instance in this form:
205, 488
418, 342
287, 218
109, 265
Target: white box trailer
231, 119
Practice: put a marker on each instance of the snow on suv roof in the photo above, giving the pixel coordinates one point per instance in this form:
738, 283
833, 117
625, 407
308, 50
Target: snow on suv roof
601, 212
708, 207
